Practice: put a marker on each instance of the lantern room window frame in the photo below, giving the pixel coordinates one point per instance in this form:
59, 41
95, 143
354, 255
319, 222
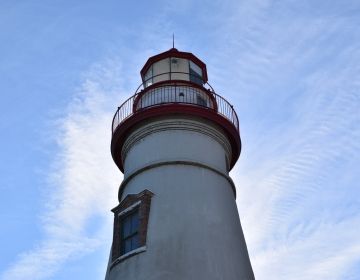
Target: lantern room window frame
175, 54
192, 74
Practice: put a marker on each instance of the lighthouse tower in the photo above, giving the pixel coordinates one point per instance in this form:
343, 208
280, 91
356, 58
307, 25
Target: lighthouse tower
176, 140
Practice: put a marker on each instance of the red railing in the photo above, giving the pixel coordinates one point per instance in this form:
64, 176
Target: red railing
174, 92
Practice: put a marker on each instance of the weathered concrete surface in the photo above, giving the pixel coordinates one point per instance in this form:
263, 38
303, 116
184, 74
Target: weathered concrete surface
194, 230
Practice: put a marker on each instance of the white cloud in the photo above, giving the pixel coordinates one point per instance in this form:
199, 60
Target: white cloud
298, 89
83, 181
294, 79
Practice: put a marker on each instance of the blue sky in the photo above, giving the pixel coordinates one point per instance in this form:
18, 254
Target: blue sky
291, 69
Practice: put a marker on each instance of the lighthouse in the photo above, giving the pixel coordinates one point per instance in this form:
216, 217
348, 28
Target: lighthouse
176, 141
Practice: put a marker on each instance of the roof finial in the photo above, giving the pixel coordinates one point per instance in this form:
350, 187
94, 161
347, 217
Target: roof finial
173, 40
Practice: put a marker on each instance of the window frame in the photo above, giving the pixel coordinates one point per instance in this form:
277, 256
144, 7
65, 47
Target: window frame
133, 202
132, 234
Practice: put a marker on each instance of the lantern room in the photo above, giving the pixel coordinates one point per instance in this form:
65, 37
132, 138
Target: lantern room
175, 139
174, 83
174, 77
173, 65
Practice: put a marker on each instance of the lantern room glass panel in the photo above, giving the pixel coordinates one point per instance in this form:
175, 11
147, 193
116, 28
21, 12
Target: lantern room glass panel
148, 78
179, 69
195, 74
161, 70
173, 68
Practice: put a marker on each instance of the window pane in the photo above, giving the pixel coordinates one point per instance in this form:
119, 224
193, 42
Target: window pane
161, 70
179, 69
148, 77
129, 232
126, 227
195, 74
127, 246
135, 242
135, 222
195, 68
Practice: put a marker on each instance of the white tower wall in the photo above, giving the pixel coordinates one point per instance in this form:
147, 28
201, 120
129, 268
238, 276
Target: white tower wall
194, 230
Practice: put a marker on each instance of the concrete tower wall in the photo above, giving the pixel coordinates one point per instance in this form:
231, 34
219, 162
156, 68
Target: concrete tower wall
194, 230
170, 139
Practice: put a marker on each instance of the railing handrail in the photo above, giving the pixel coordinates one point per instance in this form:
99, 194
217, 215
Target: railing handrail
126, 109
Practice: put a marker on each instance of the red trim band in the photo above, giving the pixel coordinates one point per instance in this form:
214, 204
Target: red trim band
121, 132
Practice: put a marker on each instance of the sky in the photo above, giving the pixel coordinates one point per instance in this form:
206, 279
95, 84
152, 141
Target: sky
290, 68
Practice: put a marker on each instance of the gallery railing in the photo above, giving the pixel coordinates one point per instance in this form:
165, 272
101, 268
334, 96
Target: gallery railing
176, 91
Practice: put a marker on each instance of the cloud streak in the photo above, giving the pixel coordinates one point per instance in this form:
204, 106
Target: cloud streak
83, 180
300, 95
293, 76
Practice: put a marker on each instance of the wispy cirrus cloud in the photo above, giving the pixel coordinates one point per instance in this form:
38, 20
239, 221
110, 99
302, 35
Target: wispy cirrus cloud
83, 179
292, 73
297, 90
